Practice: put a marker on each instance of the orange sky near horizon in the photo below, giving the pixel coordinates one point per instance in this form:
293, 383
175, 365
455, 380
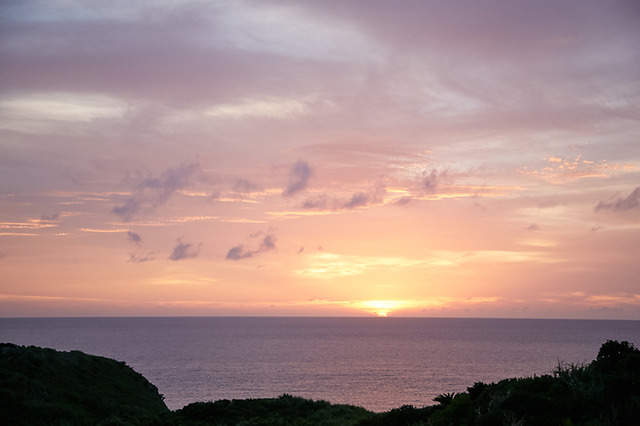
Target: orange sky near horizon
319, 158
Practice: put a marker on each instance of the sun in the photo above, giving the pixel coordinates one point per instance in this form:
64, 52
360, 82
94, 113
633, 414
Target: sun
380, 308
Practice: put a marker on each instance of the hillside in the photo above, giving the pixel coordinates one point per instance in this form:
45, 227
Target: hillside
43, 386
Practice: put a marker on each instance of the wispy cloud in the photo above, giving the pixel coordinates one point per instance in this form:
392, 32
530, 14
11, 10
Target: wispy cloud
50, 217
104, 231
138, 258
325, 265
298, 178
430, 181
184, 251
632, 201
358, 199
152, 192
273, 108
239, 252
30, 224
134, 237
346, 202
328, 204
244, 186
571, 168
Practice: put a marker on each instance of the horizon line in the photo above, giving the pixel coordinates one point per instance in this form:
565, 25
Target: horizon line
310, 317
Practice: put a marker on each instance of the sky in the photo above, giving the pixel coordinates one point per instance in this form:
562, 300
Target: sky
320, 158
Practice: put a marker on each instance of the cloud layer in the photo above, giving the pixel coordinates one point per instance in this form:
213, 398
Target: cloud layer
182, 153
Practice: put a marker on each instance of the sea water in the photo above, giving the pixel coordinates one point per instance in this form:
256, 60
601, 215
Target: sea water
376, 363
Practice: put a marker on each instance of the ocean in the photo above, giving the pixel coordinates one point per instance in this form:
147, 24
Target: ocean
376, 363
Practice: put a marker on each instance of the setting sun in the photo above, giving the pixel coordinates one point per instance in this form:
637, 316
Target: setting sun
381, 308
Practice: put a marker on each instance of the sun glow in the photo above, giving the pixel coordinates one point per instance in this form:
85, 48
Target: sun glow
381, 308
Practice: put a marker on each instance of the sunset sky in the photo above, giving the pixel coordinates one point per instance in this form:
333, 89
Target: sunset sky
329, 157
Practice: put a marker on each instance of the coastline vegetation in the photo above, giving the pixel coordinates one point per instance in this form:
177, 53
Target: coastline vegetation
46, 387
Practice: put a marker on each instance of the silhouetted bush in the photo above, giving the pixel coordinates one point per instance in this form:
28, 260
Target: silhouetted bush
42, 386
404, 415
285, 410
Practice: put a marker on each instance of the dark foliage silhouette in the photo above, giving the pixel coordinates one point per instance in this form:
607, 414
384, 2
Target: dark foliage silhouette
43, 386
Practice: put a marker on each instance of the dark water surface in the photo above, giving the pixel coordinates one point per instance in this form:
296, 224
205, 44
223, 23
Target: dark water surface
377, 363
